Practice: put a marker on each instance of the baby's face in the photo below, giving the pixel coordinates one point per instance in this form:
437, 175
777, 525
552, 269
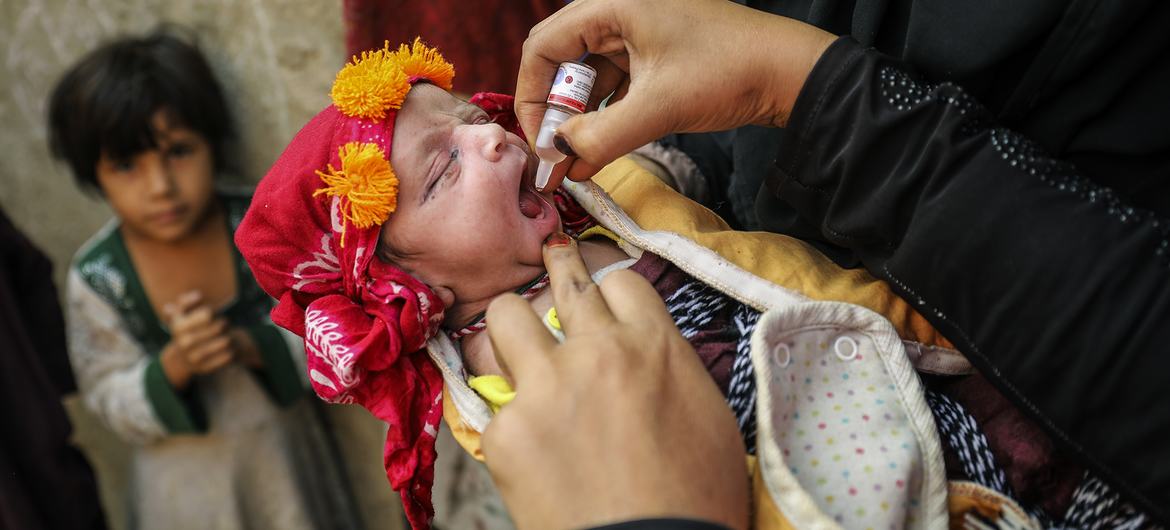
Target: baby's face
468, 217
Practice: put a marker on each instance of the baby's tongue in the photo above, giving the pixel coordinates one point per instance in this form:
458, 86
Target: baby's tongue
529, 204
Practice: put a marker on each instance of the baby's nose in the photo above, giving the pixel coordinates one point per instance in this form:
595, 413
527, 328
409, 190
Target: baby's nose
487, 139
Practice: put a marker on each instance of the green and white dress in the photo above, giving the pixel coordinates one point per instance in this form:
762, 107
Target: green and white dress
240, 448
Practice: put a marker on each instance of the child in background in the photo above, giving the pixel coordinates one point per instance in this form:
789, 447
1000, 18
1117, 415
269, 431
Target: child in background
169, 334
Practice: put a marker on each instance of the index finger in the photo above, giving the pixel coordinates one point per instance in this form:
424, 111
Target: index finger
519, 340
537, 70
578, 28
198, 319
633, 300
580, 306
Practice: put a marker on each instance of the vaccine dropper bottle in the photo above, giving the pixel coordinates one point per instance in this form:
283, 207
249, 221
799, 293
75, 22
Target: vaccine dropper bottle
568, 97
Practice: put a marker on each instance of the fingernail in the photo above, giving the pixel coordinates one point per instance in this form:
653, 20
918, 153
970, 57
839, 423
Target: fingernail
562, 145
557, 239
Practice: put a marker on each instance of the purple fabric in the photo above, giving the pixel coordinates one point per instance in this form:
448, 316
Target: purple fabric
715, 342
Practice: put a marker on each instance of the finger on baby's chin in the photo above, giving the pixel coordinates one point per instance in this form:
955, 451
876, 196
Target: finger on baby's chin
633, 300
519, 340
580, 306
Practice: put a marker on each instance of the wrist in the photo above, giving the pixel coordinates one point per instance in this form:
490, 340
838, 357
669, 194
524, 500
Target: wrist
176, 370
788, 62
245, 348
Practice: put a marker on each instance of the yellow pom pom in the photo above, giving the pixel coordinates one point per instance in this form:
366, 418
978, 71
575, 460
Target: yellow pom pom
421, 61
366, 185
370, 86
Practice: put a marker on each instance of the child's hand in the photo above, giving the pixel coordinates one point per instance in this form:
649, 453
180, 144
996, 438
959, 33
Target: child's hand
619, 422
201, 342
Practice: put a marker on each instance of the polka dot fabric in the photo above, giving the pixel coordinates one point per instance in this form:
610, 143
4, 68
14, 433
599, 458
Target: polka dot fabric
840, 426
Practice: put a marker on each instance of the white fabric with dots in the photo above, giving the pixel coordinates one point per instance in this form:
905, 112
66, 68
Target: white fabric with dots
843, 426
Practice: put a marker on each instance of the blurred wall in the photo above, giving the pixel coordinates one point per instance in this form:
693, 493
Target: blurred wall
276, 60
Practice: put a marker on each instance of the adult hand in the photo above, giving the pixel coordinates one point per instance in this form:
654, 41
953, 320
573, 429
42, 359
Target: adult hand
673, 66
619, 422
201, 342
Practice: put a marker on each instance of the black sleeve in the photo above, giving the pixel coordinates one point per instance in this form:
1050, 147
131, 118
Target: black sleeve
1055, 289
662, 524
30, 274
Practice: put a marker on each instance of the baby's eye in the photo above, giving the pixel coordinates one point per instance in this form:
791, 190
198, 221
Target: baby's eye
451, 168
481, 119
453, 162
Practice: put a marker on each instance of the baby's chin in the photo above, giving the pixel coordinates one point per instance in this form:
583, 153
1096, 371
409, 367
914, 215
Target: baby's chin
532, 241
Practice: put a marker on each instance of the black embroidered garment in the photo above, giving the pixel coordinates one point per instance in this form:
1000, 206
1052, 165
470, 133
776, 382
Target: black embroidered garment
1055, 287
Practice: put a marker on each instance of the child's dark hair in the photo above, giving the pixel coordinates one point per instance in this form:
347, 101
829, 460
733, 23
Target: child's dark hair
105, 102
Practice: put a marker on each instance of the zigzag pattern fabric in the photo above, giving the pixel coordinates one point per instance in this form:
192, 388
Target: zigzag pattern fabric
694, 306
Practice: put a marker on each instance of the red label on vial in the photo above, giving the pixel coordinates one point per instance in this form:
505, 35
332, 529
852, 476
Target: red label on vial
567, 102
572, 85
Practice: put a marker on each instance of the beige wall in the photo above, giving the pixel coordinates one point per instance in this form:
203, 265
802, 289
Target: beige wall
275, 59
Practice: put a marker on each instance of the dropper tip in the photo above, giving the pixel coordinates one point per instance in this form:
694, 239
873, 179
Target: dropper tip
543, 172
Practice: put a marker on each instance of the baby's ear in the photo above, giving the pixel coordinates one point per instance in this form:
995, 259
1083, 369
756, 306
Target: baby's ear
444, 294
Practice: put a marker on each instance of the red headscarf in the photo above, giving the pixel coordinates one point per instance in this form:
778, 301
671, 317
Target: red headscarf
310, 238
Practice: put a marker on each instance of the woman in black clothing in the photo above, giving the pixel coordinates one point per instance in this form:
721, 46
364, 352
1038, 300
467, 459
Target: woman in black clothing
1028, 223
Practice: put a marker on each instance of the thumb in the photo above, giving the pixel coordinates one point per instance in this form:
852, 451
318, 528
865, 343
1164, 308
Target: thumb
602, 136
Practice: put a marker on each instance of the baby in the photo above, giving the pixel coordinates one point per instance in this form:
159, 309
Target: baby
401, 211
467, 225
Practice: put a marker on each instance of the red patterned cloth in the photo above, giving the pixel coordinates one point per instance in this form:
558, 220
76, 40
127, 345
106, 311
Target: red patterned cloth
483, 37
364, 322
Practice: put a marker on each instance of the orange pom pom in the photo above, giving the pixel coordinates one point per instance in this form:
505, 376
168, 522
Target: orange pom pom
366, 185
421, 61
370, 86
378, 82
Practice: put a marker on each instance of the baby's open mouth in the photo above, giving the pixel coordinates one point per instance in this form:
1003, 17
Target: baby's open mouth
531, 204
529, 201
